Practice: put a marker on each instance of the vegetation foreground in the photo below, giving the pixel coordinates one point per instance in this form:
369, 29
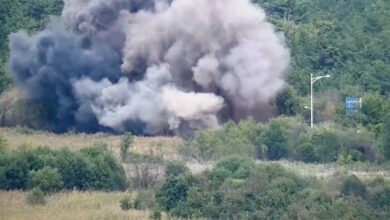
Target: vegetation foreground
61, 181
67, 205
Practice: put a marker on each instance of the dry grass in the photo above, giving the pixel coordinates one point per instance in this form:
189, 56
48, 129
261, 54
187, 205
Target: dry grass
68, 205
167, 147
327, 170
322, 171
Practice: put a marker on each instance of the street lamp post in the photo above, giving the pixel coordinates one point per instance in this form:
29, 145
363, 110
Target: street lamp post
312, 80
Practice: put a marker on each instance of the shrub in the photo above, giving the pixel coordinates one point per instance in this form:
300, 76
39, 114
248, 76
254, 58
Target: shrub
175, 168
47, 179
372, 108
326, 144
144, 200
104, 172
126, 203
275, 140
155, 215
3, 143
352, 186
146, 170
36, 197
173, 192
14, 172
126, 142
238, 166
386, 137
379, 193
24, 130
74, 168
230, 139
88, 169
359, 143
286, 102
306, 152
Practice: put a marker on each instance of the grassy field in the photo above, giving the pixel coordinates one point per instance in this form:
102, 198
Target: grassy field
106, 205
166, 147
67, 205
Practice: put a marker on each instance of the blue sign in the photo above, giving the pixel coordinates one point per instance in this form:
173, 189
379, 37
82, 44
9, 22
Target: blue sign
352, 105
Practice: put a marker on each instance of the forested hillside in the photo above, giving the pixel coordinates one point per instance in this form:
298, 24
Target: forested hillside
347, 39
29, 15
242, 169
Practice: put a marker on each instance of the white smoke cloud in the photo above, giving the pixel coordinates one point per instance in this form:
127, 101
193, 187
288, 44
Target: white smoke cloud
220, 44
223, 43
171, 62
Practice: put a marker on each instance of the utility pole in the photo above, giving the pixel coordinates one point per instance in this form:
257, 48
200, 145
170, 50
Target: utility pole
312, 80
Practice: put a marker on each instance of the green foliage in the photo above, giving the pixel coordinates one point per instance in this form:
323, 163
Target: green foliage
270, 192
291, 138
24, 130
237, 166
155, 215
175, 168
306, 152
280, 138
287, 102
231, 139
126, 203
372, 108
386, 137
352, 186
104, 171
126, 142
88, 169
173, 192
18, 15
147, 170
47, 179
36, 197
327, 144
325, 37
24, 115
275, 140
145, 200
3, 143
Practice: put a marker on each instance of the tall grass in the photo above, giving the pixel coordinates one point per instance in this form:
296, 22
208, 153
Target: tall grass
165, 147
68, 205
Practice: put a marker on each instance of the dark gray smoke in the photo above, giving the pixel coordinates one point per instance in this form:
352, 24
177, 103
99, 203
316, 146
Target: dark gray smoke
151, 66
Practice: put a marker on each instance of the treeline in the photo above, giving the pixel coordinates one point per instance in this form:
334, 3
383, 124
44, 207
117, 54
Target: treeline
346, 39
93, 168
238, 188
290, 138
28, 15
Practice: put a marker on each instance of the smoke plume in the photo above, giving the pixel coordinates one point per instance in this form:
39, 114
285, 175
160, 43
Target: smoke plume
151, 66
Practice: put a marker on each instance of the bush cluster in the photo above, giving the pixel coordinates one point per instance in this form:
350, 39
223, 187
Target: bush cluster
284, 137
50, 170
145, 170
237, 188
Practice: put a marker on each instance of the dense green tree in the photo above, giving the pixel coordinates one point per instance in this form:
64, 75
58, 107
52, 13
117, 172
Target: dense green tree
28, 15
326, 37
372, 108
386, 137
287, 102
47, 179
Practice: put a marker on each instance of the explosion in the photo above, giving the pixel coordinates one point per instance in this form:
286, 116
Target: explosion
151, 66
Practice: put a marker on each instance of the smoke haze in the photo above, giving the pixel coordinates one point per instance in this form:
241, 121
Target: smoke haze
151, 66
